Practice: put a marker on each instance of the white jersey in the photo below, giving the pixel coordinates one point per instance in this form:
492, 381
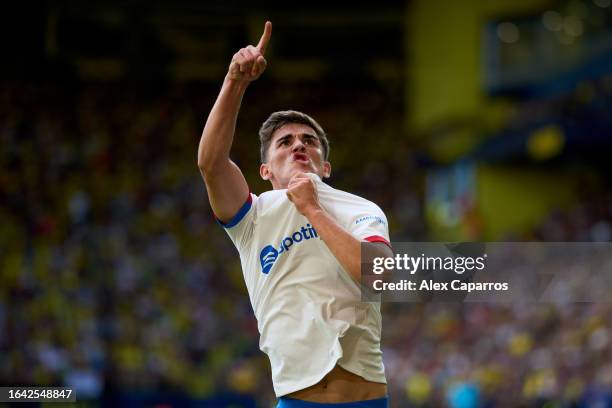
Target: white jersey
308, 309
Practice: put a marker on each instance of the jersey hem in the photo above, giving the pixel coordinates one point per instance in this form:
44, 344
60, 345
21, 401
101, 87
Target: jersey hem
362, 374
310, 382
318, 378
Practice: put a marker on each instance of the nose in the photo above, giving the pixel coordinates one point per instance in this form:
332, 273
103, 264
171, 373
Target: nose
298, 146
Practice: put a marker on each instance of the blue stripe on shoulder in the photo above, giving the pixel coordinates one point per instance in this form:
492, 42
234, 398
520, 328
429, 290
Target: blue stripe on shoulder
239, 215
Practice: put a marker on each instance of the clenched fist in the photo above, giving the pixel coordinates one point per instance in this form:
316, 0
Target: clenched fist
302, 192
249, 63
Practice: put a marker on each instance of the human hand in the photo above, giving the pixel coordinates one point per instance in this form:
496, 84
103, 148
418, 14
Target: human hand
249, 63
302, 192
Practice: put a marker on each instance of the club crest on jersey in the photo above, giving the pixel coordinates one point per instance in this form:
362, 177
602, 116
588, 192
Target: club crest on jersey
269, 254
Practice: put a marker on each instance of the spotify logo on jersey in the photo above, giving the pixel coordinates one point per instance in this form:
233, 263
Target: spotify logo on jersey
270, 254
268, 257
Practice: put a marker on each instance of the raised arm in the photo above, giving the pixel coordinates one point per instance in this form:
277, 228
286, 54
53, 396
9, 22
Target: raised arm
226, 186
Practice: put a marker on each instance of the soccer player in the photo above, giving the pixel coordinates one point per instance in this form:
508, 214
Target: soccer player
300, 250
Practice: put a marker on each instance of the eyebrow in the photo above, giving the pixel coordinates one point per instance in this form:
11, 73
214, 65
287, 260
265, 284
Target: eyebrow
289, 135
310, 136
280, 139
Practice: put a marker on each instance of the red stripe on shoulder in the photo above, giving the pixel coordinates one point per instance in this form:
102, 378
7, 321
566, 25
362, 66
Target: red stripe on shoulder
377, 238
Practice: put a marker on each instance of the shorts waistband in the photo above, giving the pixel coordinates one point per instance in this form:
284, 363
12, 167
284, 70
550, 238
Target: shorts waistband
285, 402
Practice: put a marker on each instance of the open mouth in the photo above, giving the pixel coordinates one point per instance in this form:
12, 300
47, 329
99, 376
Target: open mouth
300, 157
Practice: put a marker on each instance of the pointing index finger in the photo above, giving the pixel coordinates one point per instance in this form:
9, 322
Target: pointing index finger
265, 38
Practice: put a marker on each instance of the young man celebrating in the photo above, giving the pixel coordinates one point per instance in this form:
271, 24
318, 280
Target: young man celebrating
300, 250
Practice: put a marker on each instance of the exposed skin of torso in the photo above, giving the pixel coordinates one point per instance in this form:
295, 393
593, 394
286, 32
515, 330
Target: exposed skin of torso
340, 385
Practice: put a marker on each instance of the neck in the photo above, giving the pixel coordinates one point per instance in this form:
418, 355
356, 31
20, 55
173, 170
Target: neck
276, 185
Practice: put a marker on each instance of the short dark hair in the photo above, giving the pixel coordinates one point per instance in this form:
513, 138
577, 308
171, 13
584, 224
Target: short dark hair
281, 118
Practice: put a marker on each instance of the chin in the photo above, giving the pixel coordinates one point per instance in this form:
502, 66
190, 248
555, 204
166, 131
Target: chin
303, 168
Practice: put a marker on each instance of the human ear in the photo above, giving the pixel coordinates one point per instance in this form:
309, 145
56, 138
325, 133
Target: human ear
326, 169
264, 171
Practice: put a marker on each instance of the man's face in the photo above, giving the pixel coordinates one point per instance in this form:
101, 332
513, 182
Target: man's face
294, 148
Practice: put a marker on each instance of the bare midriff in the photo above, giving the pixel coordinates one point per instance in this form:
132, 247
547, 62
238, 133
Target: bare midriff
340, 385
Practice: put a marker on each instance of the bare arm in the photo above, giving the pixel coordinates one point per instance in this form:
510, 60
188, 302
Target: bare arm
345, 247
225, 183
342, 244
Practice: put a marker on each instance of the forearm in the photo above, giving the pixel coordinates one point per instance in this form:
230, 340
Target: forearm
218, 133
344, 246
226, 186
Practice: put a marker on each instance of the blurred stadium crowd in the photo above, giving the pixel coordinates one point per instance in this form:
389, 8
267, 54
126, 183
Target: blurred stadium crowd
114, 273
116, 280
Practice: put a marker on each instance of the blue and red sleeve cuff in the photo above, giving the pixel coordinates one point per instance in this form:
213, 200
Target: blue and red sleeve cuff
239, 215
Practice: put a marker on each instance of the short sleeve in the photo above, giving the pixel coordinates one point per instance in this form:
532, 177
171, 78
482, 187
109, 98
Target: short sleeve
240, 227
370, 224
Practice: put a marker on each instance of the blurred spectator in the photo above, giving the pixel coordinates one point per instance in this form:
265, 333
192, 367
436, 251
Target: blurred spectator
114, 276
